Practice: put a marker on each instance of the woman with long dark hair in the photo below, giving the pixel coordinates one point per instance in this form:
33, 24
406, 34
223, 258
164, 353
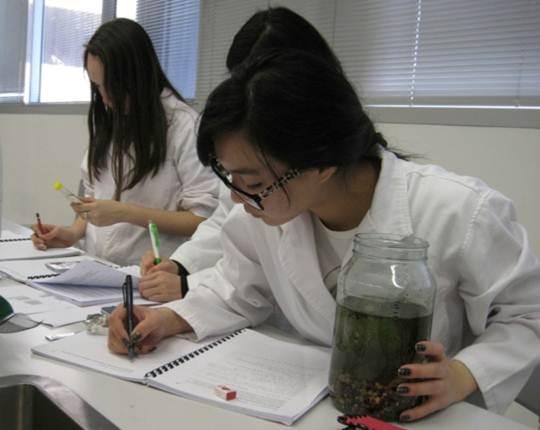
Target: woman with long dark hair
141, 162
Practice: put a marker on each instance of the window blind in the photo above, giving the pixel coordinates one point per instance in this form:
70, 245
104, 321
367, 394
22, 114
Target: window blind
408, 53
441, 53
174, 29
66, 28
13, 24
221, 20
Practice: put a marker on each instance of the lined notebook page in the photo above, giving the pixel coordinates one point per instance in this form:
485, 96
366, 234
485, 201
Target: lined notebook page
274, 379
8, 235
23, 270
91, 352
17, 247
94, 274
86, 284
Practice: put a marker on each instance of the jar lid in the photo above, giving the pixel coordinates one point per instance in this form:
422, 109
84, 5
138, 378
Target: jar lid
386, 245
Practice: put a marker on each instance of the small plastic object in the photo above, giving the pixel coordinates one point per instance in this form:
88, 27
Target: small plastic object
71, 196
61, 266
96, 324
224, 392
365, 422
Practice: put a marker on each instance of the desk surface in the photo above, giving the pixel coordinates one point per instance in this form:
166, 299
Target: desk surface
135, 406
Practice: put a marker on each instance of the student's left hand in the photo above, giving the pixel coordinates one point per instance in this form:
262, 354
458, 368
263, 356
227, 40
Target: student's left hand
444, 381
160, 286
100, 212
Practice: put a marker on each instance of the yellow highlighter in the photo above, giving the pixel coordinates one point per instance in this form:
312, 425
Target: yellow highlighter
72, 197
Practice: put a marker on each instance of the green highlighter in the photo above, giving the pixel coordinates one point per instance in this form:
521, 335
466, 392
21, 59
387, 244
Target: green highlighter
154, 238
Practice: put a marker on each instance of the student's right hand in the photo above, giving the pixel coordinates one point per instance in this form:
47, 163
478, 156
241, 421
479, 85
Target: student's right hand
53, 236
148, 266
153, 326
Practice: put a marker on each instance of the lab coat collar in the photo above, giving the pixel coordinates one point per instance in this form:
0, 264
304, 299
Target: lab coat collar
298, 257
389, 212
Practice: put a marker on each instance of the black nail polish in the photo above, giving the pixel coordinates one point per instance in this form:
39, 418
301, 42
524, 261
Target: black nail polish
135, 337
404, 418
402, 389
404, 371
420, 347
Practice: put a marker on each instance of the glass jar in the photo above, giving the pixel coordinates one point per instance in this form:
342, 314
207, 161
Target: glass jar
384, 307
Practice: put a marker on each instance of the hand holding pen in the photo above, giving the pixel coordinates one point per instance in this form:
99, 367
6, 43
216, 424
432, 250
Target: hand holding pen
152, 326
127, 291
53, 236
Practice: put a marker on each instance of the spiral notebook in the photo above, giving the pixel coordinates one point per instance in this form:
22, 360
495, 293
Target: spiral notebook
275, 379
15, 246
88, 283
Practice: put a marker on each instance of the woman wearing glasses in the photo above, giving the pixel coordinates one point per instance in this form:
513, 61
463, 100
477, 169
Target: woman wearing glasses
273, 28
288, 135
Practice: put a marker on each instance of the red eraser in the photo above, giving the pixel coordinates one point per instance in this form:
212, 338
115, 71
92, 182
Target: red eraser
225, 392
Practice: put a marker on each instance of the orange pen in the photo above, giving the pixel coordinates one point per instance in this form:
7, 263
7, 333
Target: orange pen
40, 226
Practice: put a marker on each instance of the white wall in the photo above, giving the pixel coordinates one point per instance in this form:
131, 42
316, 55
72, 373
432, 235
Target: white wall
39, 149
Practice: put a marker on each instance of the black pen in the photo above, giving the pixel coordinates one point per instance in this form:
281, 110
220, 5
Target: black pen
128, 304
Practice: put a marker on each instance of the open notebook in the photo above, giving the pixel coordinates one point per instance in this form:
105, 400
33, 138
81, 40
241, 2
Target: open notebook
14, 246
274, 379
88, 283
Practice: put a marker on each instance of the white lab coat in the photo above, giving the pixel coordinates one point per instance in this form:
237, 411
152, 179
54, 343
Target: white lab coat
204, 248
487, 307
182, 183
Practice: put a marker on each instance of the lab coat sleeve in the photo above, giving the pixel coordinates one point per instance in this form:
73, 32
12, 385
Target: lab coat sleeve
200, 187
231, 295
204, 248
501, 292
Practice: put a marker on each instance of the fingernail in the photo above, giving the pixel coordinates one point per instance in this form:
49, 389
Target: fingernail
402, 389
420, 347
152, 349
404, 371
135, 337
404, 418
125, 342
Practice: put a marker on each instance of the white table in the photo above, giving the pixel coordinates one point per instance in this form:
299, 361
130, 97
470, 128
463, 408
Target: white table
133, 406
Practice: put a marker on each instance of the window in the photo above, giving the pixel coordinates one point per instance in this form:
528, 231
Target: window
173, 27
56, 71
415, 53
13, 15
42, 43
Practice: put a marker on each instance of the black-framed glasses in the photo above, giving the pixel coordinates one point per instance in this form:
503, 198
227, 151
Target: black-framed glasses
254, 200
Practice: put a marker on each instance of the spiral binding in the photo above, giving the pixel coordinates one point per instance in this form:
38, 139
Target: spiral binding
52, 275
18, 239
175, 363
